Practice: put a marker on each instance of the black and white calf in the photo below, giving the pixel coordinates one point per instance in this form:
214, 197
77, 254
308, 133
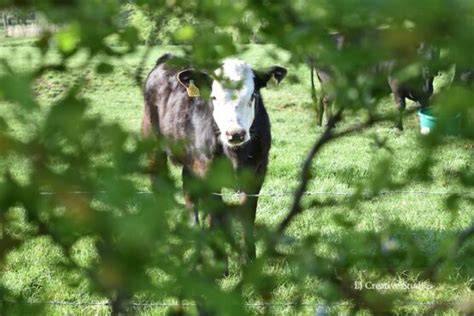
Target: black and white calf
232, 124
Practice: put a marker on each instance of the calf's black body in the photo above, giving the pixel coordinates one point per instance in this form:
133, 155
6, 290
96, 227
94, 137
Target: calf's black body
170, 112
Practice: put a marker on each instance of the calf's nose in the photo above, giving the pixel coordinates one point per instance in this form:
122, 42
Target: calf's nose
235, 136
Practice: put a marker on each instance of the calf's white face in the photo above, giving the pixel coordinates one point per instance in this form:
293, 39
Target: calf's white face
233, 105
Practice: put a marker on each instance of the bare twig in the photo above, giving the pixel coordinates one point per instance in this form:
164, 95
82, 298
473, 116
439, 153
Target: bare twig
305, 172
326, 137
138, 72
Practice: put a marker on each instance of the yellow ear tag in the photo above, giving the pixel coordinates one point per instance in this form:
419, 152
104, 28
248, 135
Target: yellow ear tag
273, 81
192, 90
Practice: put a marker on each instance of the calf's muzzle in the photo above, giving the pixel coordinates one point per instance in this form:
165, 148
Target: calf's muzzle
235, 136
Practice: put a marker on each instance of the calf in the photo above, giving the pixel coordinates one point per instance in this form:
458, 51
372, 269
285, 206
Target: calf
232, 124
419, 89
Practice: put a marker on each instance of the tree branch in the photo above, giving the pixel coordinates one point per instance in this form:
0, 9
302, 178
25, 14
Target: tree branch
138, 78
326, 137
306, 171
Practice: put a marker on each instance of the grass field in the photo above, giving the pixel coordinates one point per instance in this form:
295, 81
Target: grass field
343, 165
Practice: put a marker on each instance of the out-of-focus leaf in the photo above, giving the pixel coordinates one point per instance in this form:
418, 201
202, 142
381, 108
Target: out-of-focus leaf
68, 40
105, 68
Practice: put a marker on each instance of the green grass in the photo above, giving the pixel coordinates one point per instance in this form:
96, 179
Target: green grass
342, 165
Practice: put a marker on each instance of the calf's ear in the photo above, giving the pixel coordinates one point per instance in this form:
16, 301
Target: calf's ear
199, 78
195, 82
275, 72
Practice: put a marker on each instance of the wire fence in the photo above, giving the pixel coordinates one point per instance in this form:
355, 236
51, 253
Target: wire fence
290, 194
259, 304
320, 308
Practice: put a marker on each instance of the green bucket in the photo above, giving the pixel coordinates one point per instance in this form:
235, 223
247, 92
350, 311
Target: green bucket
445, 125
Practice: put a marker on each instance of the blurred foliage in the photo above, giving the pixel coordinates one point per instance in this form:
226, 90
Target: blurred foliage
68, 151
158, 27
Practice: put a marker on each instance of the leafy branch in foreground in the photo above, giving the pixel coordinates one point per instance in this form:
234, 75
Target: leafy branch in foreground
142, 249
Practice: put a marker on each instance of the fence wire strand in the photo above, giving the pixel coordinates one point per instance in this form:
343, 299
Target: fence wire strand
276, 304
263, 194
289, 194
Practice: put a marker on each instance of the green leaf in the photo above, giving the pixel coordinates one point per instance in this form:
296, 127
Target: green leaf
104, 68
68, 40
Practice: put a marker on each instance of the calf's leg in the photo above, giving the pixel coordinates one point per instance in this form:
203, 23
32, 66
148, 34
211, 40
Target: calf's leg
189, 199
249, 203
400, 102
320, 111
219, 222
248, 222
401, 105
328, 110
317, 101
